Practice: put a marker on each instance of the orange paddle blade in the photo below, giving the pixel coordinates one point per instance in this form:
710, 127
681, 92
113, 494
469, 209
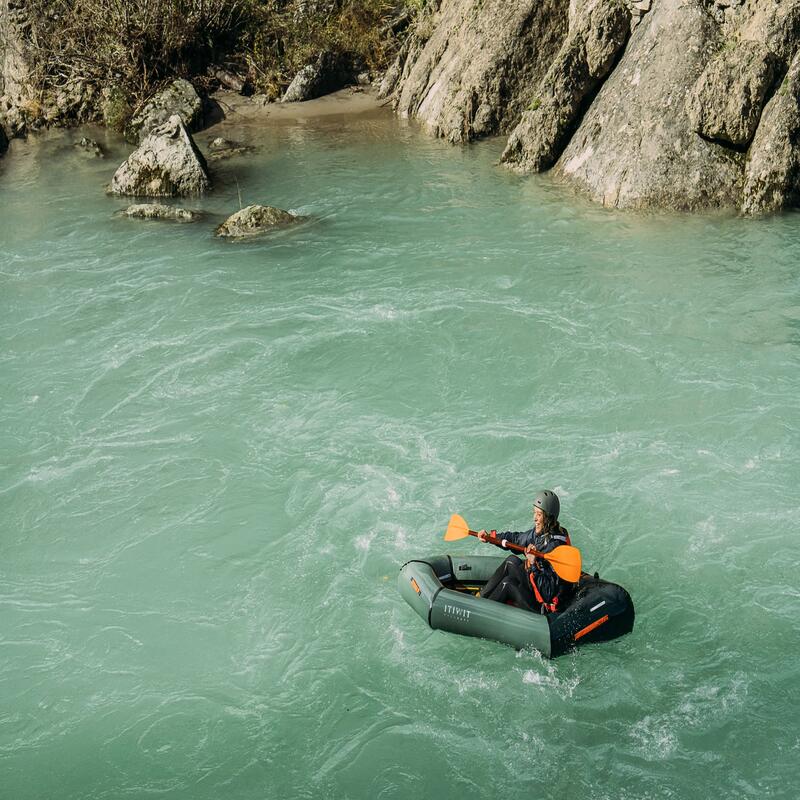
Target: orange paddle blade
566, 561
456, 529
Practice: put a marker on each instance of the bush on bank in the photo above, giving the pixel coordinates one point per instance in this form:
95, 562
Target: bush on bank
102, 58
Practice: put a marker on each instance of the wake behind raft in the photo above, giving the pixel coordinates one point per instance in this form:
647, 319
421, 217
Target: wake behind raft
442, 590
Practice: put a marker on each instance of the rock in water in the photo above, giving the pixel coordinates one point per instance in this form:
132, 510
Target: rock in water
90, 147
178, 98
726, 102
253, 220
635, 147
3, 141
167, 164
470, 67
772, 171
220, 148
597, 34
160, 211
327, 74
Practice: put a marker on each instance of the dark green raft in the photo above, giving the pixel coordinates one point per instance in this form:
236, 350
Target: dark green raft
441, 589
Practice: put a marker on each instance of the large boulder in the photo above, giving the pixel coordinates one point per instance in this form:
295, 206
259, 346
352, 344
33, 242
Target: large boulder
179, 98
772, 171
726, 101
635, 146
327, 73
166, 164
254, 220
597, 34
470, 68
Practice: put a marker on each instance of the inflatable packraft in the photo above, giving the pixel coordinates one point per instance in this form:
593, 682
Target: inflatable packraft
443, 589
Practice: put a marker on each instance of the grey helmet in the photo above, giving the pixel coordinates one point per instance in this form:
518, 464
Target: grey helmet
548, 502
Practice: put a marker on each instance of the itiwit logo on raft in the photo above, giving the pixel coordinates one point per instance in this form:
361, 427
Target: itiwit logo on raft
457, 612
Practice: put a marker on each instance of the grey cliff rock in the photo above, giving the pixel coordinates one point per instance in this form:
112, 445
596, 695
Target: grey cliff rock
726, 101
166, 164
772, 171
159, 211
675, 109
254, 220
597, 34
15, 71
470, 68
179, 98
635, 147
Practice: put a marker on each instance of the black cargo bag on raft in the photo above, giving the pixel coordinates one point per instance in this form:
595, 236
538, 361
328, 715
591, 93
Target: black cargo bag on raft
597, 611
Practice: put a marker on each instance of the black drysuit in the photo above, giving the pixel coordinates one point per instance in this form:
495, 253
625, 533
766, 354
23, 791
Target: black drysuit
511, 580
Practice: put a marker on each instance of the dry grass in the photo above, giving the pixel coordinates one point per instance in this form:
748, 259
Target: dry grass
126, 49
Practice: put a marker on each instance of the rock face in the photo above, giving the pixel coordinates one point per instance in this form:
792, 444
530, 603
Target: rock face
161, 212
641, 104
3, 141
324, 75
15, 90
166, 164
635, 147
254, 220
726, 102
180, 98
470, 67
597, 34
772, 172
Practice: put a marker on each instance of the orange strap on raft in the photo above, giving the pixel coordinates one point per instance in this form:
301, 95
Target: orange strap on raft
589, 628
551, 607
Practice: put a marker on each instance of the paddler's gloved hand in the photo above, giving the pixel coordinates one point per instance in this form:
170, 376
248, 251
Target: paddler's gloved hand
486, 536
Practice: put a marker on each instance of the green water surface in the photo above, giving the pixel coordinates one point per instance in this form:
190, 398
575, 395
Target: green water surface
215, 457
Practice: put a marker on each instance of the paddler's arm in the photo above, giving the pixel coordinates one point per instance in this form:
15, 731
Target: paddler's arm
521, 538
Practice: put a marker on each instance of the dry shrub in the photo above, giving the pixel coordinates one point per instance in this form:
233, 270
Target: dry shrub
131, 45
128, 48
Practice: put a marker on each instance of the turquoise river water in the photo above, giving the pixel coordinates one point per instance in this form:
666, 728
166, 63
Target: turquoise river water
215, 457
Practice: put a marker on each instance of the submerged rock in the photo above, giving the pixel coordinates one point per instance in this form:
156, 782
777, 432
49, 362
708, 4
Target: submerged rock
90, 147
726, 102
772, 171
220, 148
254, 220
161, 212
166, 164
326, 74
597, 34
179, 98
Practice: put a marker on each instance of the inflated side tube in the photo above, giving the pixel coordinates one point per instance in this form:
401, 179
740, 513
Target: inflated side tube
598, 610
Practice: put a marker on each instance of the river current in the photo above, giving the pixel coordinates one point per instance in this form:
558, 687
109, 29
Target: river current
215, 457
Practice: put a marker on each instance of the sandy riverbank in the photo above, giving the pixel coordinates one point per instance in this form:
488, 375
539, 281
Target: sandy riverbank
346, 102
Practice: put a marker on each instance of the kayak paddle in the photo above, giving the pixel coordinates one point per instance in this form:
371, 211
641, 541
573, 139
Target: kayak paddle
566, 560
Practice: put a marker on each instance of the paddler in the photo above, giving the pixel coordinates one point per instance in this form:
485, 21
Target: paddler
531, 584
